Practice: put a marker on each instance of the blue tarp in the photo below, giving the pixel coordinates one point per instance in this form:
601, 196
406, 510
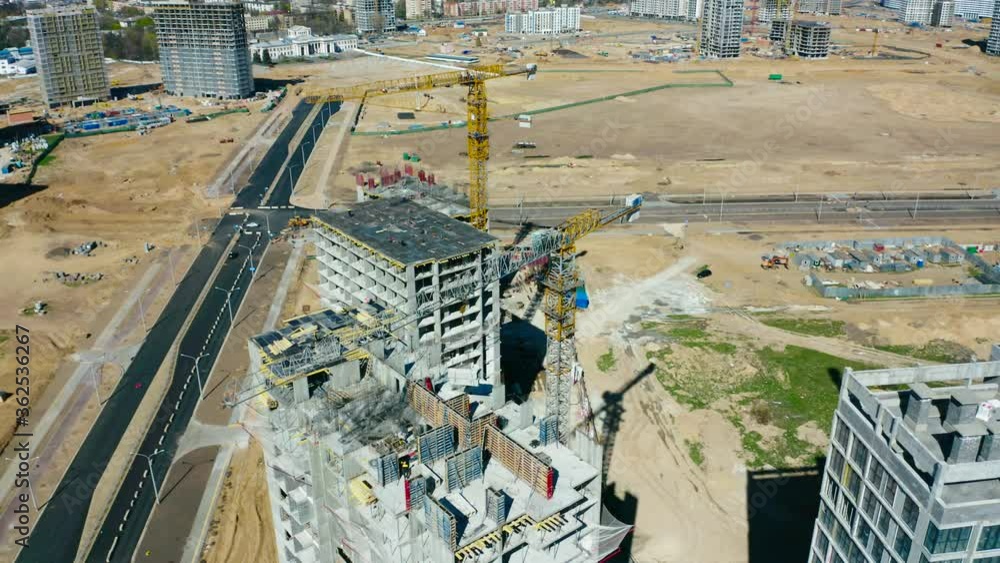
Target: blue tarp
582, 299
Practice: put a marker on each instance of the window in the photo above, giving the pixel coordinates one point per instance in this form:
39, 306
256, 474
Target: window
837, 463
883, 522
831, 490
875, 474
870, 504
841, 537
910, 512
859, 454
877, 549
923, 559
889, 490
902, 545
857, 555
843, 433
987, 560
864, 532
853, 483
946, 541
990, 538
822, 542
825, 515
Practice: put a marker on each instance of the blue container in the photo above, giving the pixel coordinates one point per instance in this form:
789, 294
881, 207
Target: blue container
90, 125
920, 262
582, 299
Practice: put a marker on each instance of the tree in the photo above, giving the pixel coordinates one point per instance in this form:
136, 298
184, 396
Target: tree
256, 58
266, 58
144, 21
401, 9
101, 5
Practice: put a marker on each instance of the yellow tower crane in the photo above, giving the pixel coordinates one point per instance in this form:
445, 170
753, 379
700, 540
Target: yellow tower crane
475, 78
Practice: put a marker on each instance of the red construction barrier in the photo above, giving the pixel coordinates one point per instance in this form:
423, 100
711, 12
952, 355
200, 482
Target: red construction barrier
408, 169
422, 176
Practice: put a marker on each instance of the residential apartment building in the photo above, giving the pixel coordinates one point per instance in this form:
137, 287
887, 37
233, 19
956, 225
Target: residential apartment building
770, 10
974, 9
258, 23
670, 9
721, 26
204, 50
943, 14
993, 41
821, 7
374, 16
912, 468
487, 7
810, 40
418, 9
563, 19
916, 11
299, 42
68, 54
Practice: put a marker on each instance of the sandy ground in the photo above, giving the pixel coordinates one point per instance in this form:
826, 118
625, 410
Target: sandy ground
924, 123
241, 528
108, 189
651, 468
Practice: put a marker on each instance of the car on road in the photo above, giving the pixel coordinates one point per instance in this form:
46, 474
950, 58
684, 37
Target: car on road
252, 225
233, 255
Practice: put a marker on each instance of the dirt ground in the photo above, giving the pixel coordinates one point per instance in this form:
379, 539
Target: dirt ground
241, 528
923, 122
638, 276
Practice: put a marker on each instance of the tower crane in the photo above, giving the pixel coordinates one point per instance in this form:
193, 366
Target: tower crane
349, 342
477, 117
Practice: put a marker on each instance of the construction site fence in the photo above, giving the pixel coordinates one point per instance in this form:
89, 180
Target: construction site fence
726, 83
213, 115
53, 141
78, 134
840, 292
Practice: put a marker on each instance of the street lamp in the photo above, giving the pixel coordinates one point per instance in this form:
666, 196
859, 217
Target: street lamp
31, 492
197, 370
149, 462
291, 181
229, 303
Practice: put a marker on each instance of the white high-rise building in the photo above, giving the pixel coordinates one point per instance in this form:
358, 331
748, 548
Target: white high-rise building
944, 13
974, 9
563, 19
672, 9
993, 42
721, 26
916, 11
418, 9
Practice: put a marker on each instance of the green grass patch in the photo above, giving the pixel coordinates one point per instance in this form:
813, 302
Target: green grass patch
696, 451
808, 392
938, 350
47, 160
606, 362
809, 327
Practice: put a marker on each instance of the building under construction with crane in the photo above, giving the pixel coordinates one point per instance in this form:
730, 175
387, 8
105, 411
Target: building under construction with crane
388, 434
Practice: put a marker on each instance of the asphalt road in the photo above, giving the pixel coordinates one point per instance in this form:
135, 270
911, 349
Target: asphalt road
865, 213
64, 514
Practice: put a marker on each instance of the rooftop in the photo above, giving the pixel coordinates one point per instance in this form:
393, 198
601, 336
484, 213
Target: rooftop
299, 332
406, 231
814, 24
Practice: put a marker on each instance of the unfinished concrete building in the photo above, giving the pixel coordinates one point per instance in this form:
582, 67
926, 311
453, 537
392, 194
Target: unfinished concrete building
398, 255
771, 10
374, 16
916, 11
913, 467
810, 40
392, 442
204, 50
721, 26
69, 54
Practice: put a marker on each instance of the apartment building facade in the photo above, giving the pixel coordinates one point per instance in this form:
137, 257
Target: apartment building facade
69, 55
721, 26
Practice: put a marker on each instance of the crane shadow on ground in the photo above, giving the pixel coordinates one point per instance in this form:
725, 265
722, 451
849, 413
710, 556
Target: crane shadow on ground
781, 509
